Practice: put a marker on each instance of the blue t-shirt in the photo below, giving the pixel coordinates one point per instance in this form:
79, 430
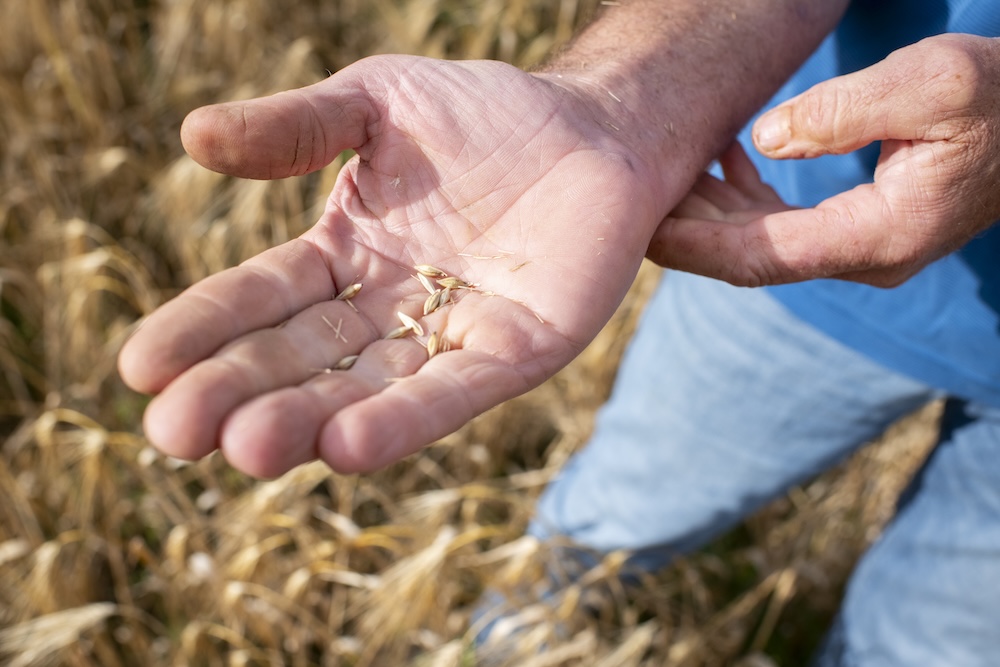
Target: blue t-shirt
942, 326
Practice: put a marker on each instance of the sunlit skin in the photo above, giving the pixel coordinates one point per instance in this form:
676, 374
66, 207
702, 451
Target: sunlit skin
476, 168
567, 176
935, 106
474, 188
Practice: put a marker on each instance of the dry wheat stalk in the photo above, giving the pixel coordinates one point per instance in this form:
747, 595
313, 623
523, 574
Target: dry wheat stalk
106, 84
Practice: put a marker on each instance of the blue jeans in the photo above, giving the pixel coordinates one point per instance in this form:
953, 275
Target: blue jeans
723, 401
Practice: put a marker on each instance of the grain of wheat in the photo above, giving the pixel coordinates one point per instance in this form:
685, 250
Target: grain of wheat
345, 363
426, 282
433, 302
429, 271
349, 292
410, 323
432, 344
398, 332
453, 282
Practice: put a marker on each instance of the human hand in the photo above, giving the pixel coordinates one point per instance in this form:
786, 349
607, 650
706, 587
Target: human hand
502, 179
936, 107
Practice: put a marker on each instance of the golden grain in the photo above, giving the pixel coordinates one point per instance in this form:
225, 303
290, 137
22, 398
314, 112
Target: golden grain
429, 271
426, 282
453, 282
410, 323
346, 363
114, 555
349, 292
398, 332
432, 344
433, 302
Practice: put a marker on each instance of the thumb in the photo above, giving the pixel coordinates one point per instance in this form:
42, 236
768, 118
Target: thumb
892, 99
288, 134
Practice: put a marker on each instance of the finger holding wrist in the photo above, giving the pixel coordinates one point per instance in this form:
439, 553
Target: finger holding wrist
846, 236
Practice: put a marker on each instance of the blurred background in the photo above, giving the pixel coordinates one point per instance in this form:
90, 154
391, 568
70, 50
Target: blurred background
112, 555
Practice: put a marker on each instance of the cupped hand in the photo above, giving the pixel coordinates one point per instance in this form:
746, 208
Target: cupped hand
935, 106
500, 179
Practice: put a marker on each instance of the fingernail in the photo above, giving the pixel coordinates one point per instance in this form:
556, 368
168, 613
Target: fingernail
773, 130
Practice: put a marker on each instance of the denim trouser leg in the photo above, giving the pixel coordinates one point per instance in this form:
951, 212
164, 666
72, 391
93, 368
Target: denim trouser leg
928, 592
722, 402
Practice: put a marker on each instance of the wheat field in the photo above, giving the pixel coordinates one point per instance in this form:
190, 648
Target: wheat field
113, 555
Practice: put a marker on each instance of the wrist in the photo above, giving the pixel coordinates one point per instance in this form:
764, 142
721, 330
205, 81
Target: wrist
664, 79
663, 149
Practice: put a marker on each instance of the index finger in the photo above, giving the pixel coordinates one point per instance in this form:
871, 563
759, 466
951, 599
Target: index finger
849, 232
447, 392
261, 292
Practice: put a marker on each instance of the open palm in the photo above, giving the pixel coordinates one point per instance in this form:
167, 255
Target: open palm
502, 180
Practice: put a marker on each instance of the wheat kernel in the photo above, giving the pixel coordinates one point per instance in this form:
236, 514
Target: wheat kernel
433, 302
453, 282
426, 282
345, 363
410, 323
349, 292
430, 271
398, 332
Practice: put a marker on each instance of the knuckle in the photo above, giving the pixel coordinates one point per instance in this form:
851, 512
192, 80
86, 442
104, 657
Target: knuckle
817, 108
953, 73
757, 265
829, 112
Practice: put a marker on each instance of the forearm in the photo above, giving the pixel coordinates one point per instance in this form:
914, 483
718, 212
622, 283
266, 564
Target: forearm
675, 80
